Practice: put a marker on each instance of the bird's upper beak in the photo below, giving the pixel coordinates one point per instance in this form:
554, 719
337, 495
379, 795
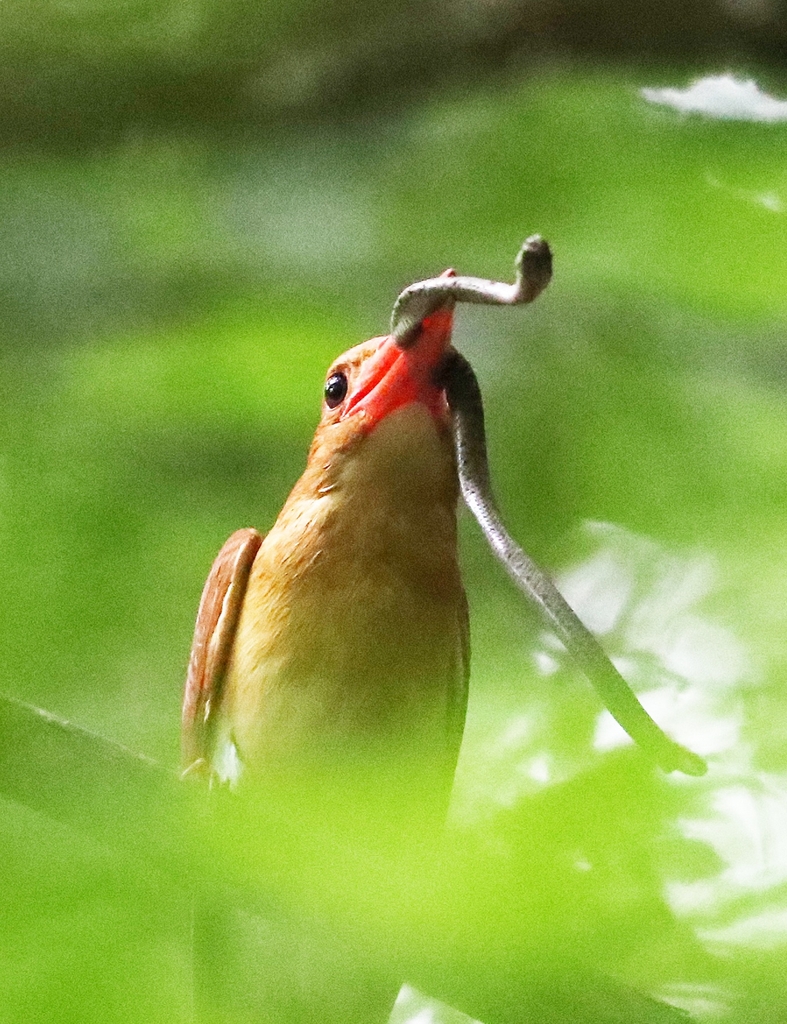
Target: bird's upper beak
391, 377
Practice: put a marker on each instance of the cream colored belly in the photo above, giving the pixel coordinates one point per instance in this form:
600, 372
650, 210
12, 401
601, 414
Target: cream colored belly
307, 695
351, 638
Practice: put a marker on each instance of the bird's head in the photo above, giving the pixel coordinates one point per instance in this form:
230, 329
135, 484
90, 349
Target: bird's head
375, 379
379, 390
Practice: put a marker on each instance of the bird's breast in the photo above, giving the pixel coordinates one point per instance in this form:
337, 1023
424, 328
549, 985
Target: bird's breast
352, 633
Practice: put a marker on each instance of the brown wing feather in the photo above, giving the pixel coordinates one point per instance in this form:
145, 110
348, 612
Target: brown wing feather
214, 633
457, 708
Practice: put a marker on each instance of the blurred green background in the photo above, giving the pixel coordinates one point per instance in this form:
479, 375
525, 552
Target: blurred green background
202, 204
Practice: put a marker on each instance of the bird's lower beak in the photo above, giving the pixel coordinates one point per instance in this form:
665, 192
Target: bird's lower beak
393, 377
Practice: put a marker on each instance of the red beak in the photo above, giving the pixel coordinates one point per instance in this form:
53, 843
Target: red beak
393, 377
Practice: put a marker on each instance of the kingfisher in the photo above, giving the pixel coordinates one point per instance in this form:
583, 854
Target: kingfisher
330, 657
340, 638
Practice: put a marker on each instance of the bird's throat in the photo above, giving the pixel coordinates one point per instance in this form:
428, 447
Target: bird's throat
399, 491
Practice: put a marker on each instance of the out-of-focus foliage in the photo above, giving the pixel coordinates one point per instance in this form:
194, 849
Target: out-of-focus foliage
85, 71
172, 294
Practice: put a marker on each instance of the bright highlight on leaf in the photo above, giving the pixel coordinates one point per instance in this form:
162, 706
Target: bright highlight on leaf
722, 96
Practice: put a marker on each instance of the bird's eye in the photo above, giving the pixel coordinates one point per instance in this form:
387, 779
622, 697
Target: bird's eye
335, 390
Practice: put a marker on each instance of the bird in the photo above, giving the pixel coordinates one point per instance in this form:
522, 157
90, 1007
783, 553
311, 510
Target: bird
347, 623
330, 657
329, 668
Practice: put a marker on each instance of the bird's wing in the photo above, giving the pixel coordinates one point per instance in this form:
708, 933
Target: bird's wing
214, 633
457, 707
